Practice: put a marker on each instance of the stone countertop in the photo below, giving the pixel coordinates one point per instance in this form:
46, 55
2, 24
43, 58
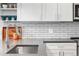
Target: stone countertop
40, 42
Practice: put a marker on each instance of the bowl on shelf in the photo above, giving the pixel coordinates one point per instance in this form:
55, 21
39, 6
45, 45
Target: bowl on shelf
15, 17
12, 18
9, 18
3, 18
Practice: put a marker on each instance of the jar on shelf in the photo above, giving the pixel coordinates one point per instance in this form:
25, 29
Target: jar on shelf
3, 18
15, 6
12, 18
9, 18
9, 5
4, 5
12, 5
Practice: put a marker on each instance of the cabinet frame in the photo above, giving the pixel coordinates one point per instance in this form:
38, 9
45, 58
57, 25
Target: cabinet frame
64, 42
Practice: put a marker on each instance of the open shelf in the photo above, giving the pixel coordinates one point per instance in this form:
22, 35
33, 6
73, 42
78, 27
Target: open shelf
8, 9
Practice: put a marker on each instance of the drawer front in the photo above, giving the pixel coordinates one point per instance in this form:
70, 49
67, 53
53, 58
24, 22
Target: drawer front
52, 52
61, 45
70, 53
61, 52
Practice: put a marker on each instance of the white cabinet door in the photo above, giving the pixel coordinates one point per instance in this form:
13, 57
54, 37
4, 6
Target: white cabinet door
65, 12
30, 12
70, 52
61, 49
49, 12
52, 52
61, 45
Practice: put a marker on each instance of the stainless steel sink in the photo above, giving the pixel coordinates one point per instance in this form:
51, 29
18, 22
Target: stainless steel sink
24, 49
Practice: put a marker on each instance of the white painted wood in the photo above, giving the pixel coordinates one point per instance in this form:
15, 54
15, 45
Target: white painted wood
70, 53
45, 12
65, 12
64, 51
50, 12
61, 45
61, 49
19, 6
30, 12
8, 9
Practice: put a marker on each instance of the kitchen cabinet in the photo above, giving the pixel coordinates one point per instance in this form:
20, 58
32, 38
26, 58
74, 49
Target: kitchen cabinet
49, 12
58, 12
29, 12
65, 12
69, 52
61, 49
45, 12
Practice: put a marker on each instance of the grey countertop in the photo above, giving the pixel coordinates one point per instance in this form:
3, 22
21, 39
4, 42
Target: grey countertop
40, 42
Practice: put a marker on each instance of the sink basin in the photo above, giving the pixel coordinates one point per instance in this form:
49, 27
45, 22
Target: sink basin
24, 49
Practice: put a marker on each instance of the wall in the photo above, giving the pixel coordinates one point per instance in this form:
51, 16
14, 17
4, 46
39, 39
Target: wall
48, 30
37, 30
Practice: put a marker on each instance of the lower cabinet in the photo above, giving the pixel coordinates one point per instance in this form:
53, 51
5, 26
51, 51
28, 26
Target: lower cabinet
70, 53
61, 49
61, 52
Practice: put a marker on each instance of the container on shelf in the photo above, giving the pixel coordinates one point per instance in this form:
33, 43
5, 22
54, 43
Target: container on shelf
12, 5
8, 11
9, 5
13, 18
4, 5
15, 5
8, 18
3, 18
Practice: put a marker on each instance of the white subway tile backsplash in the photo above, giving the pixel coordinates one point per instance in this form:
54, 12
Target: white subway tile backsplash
59, 30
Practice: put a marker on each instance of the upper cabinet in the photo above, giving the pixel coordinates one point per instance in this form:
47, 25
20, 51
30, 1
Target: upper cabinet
65, 12
49, 12
58, 12
29, 12
45, 12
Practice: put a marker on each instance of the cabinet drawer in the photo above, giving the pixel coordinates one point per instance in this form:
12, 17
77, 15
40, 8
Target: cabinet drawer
52, 52
70, 52
61, 52
61, 45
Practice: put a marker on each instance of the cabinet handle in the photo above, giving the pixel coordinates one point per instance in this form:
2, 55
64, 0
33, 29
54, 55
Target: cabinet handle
59, 53
63, 53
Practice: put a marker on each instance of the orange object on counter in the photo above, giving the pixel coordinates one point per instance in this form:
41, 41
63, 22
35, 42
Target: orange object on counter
12, 34
4, 34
